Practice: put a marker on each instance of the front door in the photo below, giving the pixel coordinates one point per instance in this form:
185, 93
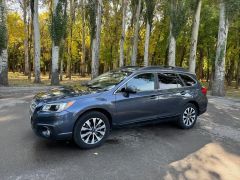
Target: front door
138, 106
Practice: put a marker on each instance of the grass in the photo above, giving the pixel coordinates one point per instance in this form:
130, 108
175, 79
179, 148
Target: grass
231, 91
19, 79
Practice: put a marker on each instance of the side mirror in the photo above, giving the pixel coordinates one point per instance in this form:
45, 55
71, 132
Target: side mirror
126, 91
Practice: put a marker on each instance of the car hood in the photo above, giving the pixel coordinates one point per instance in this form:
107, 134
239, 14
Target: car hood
63, 93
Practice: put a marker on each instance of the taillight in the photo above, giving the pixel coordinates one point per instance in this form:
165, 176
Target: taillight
204, 90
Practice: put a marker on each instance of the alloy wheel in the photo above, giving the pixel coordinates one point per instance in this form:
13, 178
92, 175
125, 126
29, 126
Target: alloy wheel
189, 116
93, 131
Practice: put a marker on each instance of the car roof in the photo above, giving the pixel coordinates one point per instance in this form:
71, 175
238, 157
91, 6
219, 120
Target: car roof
155, 68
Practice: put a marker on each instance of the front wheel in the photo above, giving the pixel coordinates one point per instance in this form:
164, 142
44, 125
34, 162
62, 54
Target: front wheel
91, 130
188, 116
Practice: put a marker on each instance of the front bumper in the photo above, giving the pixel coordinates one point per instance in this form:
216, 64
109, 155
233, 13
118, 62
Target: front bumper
55, 126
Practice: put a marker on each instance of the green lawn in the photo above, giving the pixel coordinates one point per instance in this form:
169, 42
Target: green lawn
18, 79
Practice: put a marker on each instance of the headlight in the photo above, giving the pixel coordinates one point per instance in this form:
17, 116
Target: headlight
57, 107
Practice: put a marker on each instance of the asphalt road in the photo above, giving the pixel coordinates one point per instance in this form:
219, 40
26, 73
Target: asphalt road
211, 150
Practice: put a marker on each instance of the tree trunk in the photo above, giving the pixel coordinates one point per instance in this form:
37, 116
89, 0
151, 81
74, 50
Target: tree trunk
124, 8
37, 49
219, 77
172, 47
135, 41
238, 74
96, 41
26, 67
4, 68
3, 48
146, 47
238, 64
230, 72
55, 55
83, 62
194, 38
69, 59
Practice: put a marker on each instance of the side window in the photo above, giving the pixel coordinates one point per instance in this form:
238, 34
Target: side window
142, 82
187, 80
169, 81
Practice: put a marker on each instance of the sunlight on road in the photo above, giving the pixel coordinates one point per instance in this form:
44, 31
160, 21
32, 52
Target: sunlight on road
210, 162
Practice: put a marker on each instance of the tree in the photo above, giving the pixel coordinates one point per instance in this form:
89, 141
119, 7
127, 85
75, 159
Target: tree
178, 15
71, 23
228, 8
3, 44
150, 5
95, 19
58, 28
24, 6
124, 10
36, 34
194, 38
136, 30
83, 61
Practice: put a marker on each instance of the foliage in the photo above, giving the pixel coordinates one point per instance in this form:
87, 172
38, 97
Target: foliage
3, 28
150, 5
91, 10
59, 22
181, 15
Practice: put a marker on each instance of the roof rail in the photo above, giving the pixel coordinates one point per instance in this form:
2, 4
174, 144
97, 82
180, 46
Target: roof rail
164, 67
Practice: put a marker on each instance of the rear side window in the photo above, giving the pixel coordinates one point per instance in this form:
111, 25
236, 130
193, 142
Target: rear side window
142, 82
188, 81
169, 81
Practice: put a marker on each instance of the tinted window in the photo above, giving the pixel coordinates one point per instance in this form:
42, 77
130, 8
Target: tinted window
169, 81
187, 80
142, 82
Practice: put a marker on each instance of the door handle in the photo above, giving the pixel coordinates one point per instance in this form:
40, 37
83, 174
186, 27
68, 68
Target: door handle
183, 93
153, 97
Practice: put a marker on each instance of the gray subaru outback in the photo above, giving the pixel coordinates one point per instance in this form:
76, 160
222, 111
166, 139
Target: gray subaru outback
121, 97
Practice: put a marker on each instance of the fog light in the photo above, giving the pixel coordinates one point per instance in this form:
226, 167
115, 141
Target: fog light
46, 132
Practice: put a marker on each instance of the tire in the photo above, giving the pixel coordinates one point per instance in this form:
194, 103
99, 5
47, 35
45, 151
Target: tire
87, 135
188, 116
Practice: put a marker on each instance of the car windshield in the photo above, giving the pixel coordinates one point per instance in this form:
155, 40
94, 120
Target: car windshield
108, 80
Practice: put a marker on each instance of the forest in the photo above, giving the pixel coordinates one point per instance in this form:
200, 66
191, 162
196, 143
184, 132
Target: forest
62, 38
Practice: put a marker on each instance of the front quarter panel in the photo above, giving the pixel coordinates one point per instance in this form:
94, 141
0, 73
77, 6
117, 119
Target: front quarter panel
105, 102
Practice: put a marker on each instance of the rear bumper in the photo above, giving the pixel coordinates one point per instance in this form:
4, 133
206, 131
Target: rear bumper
53, 126
202, 111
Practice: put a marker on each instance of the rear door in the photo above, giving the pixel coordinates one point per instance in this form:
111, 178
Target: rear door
170, 94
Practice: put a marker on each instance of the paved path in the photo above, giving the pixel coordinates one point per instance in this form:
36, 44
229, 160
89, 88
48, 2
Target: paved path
208, 151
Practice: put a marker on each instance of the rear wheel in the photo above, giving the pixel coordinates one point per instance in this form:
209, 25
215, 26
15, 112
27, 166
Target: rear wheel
188, 116
91, 130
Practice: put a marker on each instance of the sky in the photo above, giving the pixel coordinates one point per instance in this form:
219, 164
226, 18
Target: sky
14, 5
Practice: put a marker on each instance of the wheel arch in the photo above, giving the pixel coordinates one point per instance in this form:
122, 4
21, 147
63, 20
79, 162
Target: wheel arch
195, 104
104, 111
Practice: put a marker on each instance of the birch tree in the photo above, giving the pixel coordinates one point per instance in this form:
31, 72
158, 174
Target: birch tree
83, 60
3, 44
24, 4
36, 35
178, 12
71, 22
136, 30
58, 28
194, 38
227, 9
150, 5
95, 19
122, 40
219, 77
